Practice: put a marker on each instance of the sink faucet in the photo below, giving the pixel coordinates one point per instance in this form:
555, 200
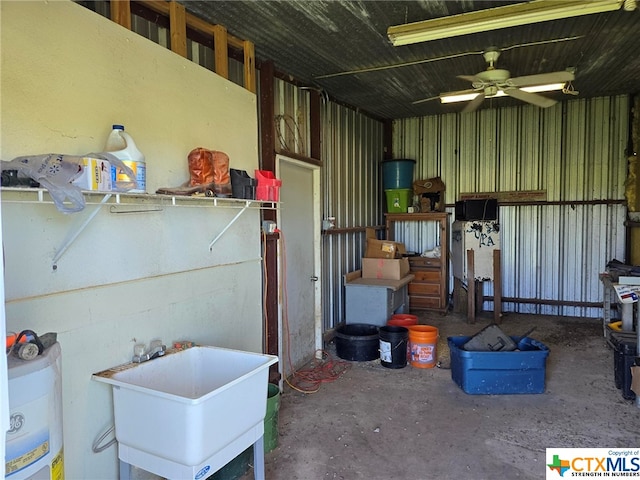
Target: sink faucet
156, 349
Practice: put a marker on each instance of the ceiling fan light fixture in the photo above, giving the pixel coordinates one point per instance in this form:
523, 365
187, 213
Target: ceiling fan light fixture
544, 88
495, 18
465, 97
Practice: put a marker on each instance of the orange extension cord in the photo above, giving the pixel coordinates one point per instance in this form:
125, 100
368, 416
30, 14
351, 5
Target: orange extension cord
323, 368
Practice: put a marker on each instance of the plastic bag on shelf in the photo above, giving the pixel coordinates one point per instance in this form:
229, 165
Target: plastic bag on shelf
55, 172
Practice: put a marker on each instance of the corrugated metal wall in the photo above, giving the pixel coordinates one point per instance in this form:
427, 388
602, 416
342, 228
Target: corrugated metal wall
575, 151
292, 118
351, 155
551, 253
352, 151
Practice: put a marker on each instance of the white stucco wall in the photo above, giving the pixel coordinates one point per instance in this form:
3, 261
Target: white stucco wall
68, 74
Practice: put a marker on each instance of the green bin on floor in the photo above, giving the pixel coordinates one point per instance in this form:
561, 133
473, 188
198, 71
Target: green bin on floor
271, 418
240, 465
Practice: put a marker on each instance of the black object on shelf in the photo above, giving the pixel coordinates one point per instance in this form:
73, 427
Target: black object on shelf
485, 209
242, 185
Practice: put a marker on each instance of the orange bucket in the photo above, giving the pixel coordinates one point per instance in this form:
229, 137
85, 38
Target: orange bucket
402, 320
423, 342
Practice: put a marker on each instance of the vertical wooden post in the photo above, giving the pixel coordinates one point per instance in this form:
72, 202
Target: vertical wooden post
121, 13
479, 287
221, 51
497, 287
471, 288
268, 162
270, 307
459, 297
178, 27
249, 66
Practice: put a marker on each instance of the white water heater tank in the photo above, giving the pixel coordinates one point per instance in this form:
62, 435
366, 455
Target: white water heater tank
34, 440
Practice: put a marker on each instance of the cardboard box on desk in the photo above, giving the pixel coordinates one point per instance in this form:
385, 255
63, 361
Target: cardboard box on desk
388, 268
382, 248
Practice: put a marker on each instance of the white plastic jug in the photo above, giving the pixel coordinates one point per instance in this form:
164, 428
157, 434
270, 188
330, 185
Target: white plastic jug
121, 145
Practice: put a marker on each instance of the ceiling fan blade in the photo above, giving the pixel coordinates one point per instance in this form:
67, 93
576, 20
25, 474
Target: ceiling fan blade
474, 104
459, 92
542, 79
532, 98
468, 78
416, 102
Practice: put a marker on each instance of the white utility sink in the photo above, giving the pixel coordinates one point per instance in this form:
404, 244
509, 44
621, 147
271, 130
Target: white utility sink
188, 413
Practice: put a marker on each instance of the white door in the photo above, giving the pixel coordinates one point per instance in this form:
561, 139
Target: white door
299, 223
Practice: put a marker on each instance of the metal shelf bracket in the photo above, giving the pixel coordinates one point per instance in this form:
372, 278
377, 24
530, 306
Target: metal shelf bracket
233, 220
74, 234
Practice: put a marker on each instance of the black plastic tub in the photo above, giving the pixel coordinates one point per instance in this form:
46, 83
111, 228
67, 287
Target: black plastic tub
357, 342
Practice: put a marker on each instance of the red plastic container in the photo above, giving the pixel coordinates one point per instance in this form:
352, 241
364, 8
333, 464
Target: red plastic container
268, 188
403, 320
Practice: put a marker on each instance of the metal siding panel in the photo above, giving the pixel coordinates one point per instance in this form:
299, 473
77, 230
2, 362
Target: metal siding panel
547, 279
485, 159
429, 167
467, 154
573, 172
417, 237
508, 150
351, 154
291, 113
576, 152
551, 140
450, 162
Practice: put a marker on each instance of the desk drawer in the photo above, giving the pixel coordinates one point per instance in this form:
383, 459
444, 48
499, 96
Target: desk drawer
432, 276
423, 262
418, 302
424, 288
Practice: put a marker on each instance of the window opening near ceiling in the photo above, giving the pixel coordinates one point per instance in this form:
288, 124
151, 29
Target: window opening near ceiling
234, 59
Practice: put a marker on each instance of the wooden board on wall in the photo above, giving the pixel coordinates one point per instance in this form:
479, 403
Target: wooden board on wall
521, 196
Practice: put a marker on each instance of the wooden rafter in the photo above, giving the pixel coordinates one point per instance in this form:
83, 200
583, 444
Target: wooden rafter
178, 28
249, 66
121, 13
220, 44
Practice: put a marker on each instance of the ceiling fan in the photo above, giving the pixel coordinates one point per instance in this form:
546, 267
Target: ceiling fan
496, 82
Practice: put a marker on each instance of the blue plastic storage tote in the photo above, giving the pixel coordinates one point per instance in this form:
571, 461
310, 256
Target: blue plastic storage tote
397, 174
499, 373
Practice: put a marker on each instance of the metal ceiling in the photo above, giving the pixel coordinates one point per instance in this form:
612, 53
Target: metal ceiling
341, 47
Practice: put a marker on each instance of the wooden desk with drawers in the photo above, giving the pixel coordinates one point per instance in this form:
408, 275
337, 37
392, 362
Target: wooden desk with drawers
429, 289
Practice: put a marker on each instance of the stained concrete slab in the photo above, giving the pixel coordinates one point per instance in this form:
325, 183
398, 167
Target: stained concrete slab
379, 423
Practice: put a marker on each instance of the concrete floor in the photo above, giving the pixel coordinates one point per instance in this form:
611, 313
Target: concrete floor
379, 423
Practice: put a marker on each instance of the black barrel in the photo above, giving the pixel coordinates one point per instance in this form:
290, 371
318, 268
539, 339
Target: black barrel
393, 346
357, 342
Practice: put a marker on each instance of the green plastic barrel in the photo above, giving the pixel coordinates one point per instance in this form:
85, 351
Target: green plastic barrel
271, 418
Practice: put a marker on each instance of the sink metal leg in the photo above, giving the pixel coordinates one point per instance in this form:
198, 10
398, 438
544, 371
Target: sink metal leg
258, 459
